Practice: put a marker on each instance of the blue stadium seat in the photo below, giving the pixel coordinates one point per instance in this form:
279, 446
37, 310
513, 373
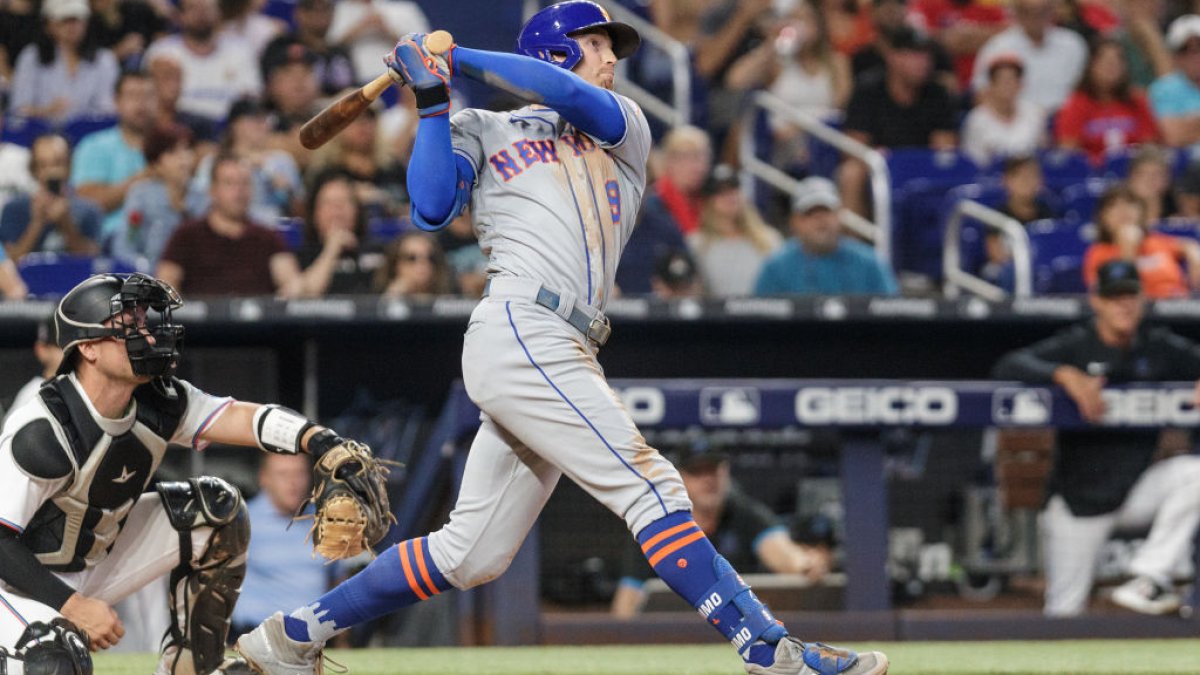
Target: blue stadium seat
1178, 227
292, 231
50, 275
1054, 244
1116, 162
1062, 168
1063, 274
971, 240
947, 168
281, 9
384, 230
77, 128
1079, 201
22, 130
920, 180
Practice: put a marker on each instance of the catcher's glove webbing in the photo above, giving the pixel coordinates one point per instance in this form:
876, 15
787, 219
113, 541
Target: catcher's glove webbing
350, 495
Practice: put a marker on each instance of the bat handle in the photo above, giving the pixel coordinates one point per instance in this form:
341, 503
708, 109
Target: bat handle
377, 86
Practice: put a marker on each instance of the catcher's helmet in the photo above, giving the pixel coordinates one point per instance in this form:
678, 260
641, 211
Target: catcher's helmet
549, 32
127, 302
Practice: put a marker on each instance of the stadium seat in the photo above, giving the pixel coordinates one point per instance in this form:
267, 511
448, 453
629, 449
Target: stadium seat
77, 128
292, 231
1178, 227
1063, 168
920, 180
970, 244
1116, 162
1063, 274
22, 130
1054, 244
384, 230
1079, 201
51, 275
947, 168
281, 9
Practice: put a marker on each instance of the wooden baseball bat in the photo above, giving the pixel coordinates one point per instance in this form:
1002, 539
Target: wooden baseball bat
339, 114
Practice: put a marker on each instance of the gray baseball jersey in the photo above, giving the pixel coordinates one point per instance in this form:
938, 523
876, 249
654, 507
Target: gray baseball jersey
555, 207
551, 203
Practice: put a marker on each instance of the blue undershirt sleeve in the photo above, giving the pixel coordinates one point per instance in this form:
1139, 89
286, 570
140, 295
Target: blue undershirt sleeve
439, 181
589, 108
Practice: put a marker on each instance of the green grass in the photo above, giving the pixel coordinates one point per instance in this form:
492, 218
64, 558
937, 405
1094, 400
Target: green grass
1096, 657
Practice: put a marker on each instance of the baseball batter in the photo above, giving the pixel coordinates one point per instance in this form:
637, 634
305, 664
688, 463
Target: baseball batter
554, 188
78, 532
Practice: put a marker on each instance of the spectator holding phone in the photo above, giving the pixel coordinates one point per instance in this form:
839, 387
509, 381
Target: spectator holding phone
53, 218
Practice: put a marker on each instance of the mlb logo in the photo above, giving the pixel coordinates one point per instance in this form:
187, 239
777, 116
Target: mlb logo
1021, 406
729, 406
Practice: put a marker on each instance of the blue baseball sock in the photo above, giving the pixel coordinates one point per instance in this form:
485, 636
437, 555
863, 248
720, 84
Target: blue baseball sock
402, 576
685, 559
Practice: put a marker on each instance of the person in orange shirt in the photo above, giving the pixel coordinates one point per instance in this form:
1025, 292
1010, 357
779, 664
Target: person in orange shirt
1121, 233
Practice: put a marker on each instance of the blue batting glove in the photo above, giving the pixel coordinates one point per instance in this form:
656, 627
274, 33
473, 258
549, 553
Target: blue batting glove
428, 75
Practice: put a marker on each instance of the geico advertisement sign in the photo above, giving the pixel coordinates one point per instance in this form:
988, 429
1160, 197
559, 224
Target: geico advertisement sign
876, 405
1150, 407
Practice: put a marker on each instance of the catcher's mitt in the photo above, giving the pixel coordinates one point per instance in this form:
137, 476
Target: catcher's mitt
350, 494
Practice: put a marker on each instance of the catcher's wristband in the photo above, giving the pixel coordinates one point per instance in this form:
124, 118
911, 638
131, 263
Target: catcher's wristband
278, 429
323, 441
432, 101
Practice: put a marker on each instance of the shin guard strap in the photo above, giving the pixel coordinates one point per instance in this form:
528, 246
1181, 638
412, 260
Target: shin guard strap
753, 617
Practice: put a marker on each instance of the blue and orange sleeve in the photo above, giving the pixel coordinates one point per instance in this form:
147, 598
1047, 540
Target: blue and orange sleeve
587, 107
439, 181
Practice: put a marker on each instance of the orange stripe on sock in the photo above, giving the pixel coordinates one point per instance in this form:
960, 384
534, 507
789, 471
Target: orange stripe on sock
420, 556
675, 546
408, 573
663, 535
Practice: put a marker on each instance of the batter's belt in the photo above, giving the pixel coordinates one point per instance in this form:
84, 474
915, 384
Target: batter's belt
587, 320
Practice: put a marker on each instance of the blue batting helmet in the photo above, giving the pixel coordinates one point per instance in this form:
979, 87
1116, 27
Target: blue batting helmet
549, 32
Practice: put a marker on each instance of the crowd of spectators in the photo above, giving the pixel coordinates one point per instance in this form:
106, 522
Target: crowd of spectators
134, 103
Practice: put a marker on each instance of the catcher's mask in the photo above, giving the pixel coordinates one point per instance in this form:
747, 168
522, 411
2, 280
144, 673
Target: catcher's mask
133, 308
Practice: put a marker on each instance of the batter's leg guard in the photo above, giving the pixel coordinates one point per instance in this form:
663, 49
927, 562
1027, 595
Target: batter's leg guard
203, 593
685, 559
54, 648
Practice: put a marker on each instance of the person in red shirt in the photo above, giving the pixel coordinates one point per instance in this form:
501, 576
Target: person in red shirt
1105, 113
1121, 233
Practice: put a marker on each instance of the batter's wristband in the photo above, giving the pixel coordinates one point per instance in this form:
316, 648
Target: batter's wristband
432, 100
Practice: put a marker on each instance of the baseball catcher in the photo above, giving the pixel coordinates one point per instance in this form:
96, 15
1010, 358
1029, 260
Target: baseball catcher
78, 532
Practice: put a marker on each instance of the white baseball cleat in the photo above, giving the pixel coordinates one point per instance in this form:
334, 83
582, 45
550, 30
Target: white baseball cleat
270, 651
1145, 595
793, 657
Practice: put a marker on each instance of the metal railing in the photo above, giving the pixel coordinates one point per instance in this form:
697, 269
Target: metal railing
956, 279
677, 111
878, 232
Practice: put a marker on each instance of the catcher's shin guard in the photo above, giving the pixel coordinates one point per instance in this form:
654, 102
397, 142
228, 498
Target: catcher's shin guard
203, 593
54, 648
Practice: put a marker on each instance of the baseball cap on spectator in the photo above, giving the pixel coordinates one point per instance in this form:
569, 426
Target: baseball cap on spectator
247, 107
676, 269
1005, 60
698, 456
1118, 277
722, 177
58, 10
907, 38
816, 192
1183, 29
162, 139
283, 51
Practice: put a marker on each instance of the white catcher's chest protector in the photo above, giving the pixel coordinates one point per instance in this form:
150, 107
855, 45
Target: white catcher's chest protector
71, 476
